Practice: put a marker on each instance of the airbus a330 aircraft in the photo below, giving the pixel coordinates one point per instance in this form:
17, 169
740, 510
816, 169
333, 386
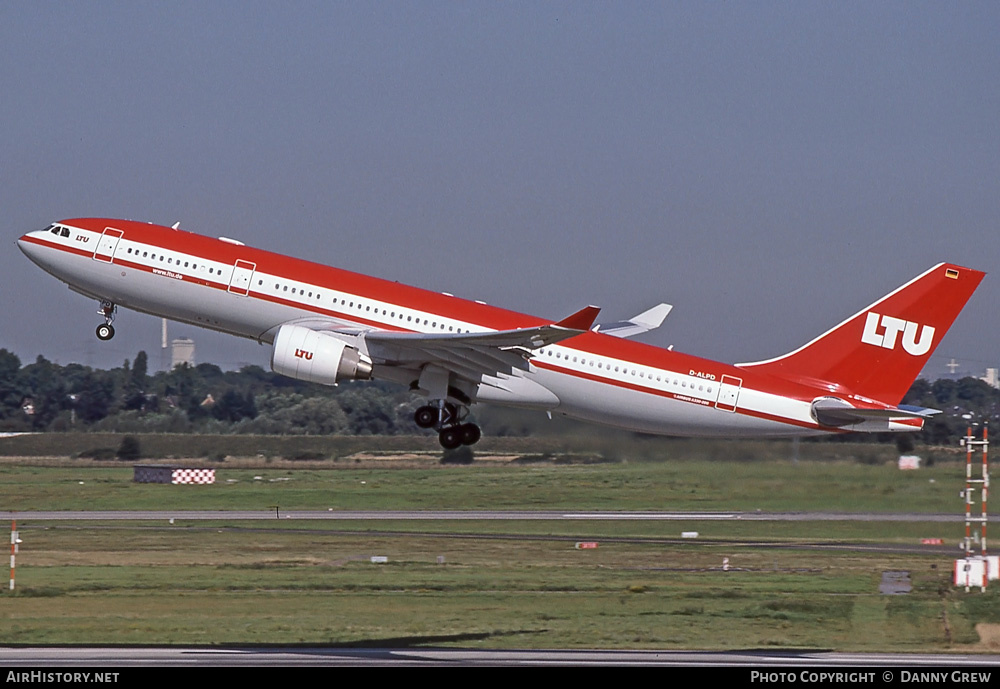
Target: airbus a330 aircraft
327, 325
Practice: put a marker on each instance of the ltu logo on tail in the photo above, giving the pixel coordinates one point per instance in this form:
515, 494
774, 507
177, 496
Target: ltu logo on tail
891, 328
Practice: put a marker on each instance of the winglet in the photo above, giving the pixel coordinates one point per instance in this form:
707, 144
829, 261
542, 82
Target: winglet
653, 318
581, 320
649, 319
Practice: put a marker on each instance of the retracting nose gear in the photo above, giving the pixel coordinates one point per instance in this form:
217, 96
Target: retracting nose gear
109, 310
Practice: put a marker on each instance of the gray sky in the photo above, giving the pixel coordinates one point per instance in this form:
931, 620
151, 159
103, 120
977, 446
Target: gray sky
769, 168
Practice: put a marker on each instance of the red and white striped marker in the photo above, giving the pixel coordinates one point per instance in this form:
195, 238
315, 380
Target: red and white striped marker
13, 551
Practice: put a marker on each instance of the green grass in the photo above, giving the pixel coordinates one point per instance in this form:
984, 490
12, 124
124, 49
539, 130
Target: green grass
516, 584
140, 585
676, 485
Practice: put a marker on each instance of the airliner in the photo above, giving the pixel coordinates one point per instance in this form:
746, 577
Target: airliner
328, 325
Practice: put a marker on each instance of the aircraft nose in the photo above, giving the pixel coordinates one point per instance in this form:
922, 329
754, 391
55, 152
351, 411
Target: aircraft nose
28, 246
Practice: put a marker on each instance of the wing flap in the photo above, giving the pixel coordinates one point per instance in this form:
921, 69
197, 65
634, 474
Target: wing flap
472, 356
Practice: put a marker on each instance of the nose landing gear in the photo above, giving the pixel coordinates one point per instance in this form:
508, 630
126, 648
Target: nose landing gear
446, 419
106, 331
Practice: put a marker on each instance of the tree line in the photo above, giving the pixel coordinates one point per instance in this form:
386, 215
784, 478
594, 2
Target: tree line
44, 396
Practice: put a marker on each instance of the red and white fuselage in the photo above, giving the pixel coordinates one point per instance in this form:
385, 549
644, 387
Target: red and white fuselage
851, 378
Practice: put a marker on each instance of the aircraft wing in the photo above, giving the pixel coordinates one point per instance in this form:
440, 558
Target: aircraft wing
647, 320
473, 356
483, 357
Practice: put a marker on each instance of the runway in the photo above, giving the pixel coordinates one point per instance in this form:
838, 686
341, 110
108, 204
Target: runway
468, 515
124, 658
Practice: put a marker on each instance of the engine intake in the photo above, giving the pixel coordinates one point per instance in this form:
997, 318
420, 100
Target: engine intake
306, 354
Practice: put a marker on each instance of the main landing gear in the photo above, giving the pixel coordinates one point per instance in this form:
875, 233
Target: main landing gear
446, 419
106, 331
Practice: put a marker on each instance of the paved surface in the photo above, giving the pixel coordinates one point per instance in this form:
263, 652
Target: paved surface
513, 515
110, 659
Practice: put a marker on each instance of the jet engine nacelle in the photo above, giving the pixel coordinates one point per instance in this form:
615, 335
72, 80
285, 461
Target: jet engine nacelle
306, 354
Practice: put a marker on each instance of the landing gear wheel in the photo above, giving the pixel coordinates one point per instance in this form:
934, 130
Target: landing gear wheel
450, 438
470, 433
108, 310
426, 417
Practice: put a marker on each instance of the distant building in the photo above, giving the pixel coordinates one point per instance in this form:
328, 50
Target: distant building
992, 377
181, 352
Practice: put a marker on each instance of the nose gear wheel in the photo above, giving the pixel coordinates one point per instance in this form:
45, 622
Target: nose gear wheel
109, 310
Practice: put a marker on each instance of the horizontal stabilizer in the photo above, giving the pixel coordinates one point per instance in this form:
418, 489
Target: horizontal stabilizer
833, 411
647, 320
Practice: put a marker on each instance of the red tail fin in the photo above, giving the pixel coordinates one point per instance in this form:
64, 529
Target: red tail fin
880, 351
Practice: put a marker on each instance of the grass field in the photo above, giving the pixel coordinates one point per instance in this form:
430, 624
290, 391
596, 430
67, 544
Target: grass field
689, 485
494, 584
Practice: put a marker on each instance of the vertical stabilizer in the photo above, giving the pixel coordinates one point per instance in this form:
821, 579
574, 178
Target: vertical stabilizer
880, 351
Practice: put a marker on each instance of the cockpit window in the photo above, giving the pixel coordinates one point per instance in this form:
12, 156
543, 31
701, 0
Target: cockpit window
53, 229
64, 232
